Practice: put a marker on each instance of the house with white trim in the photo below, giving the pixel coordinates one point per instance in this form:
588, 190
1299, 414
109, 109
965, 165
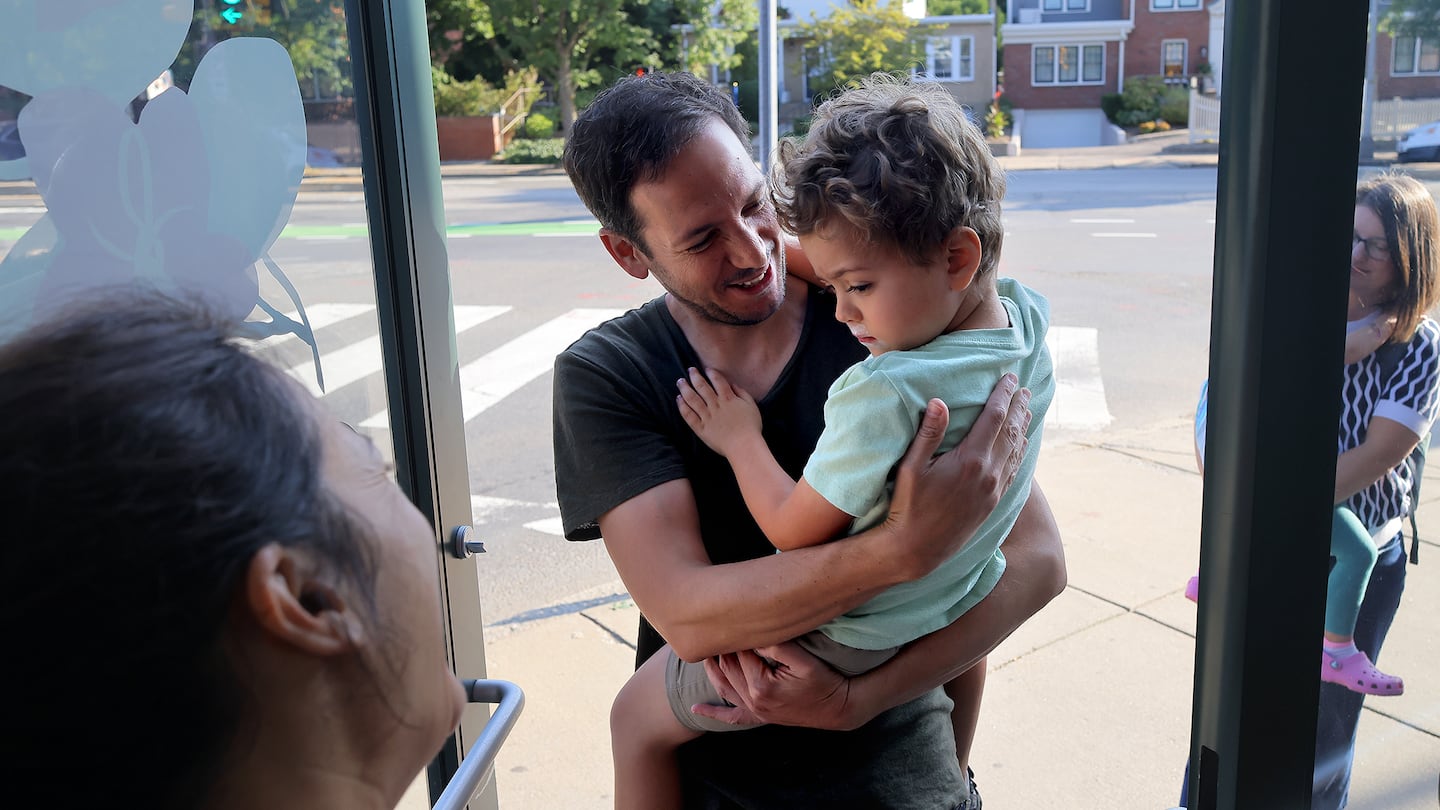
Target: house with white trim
959, 54
1061, 56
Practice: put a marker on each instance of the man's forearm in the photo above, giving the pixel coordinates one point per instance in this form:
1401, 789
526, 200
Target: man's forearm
1034, 575
704, 609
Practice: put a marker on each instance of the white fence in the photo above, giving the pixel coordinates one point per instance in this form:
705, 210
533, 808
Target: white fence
1204, 118
1393, 118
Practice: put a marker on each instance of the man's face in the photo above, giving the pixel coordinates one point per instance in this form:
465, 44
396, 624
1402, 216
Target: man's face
714, 242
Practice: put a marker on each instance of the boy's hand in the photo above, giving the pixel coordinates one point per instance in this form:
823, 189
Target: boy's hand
723, 416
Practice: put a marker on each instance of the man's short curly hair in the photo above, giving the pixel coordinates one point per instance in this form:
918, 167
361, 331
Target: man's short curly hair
900, 162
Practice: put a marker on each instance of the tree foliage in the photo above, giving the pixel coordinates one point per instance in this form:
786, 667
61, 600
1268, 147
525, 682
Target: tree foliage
946, 8
863, 37
568, 41
312, 31
1413, 18
716, 29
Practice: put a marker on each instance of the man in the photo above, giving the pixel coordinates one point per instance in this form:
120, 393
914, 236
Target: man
663, 162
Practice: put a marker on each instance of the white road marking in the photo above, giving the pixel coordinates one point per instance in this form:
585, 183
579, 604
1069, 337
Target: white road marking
26, 209
551, 525
1079, 389
321, 316
359, 360
324, 238
482, 506
1125, 235
507, 369
1102, 221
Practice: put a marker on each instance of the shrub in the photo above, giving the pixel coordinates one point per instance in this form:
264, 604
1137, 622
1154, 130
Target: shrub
1147, 98
1175, 106
998, 120
477, 97
546, 150
1111, 104
538, 126
454, 97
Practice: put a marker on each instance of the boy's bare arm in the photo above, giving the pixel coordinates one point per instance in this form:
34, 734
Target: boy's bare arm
726, 418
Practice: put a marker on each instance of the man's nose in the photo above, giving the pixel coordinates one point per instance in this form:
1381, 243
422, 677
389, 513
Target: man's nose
750, 249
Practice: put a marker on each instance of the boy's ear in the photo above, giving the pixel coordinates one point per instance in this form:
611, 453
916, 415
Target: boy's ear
963, 254
626, 254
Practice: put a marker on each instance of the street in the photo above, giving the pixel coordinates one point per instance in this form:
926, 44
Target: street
1122, 254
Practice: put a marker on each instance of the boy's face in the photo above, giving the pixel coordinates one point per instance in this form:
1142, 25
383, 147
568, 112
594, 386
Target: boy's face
889, 303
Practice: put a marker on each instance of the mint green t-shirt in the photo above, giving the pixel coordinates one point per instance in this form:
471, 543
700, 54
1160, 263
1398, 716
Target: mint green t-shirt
871, 416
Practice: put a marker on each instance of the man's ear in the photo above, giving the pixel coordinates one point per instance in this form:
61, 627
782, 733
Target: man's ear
626, 254
962, 254
294, 608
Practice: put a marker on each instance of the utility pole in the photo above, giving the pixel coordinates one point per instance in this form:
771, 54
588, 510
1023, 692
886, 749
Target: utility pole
769, 82
1367, 99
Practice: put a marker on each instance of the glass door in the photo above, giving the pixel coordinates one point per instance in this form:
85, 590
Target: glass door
279, 160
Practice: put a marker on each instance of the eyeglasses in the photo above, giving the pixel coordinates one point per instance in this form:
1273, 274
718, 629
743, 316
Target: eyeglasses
1375, 246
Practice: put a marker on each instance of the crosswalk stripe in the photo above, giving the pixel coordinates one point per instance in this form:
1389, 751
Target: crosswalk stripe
1079, 390
505, 370
359, 360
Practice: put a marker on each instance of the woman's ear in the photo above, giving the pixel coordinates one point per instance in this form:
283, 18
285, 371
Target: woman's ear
963, 254
294, 608
626, 254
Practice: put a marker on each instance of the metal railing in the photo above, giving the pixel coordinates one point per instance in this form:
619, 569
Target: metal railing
481, 758
1392, 119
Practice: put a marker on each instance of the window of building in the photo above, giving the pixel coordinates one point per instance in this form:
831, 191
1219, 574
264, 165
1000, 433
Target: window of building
1413, 55
1068, 64
1173, 5
1065, 5
949, 59
1173, 54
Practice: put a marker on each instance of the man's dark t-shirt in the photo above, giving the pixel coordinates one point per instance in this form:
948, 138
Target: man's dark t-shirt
618, 433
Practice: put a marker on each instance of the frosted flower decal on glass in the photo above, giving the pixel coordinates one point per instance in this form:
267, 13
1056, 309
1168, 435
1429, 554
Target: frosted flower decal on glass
187, 200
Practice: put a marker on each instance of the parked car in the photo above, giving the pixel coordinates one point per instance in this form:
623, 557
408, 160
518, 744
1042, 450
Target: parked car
1420, 143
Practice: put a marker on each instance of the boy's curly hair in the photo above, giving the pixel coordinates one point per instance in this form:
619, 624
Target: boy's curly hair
899, 161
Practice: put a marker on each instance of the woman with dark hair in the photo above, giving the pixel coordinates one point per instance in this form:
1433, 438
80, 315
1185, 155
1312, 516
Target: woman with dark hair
205, 577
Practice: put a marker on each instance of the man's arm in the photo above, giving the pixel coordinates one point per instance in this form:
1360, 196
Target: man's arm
803, 691
704, 610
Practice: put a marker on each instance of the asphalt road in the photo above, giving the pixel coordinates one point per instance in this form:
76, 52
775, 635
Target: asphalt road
1124, 256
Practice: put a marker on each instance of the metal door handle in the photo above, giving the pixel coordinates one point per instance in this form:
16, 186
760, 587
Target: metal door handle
464, 544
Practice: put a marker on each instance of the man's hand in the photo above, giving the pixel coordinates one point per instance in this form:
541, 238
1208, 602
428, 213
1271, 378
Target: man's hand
940, 502
723, 416
780, 684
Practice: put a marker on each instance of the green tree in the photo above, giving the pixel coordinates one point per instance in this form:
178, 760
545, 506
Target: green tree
1413, 18
312, 31
864, 37
946, 8
565, 40
454, 25
717, 28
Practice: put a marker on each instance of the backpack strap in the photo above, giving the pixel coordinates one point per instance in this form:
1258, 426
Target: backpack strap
1389, 356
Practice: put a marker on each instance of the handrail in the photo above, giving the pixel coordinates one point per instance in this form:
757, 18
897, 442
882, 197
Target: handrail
481, 757
514, 119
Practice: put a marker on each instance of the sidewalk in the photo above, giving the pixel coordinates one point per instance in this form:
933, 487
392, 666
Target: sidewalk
1087, 706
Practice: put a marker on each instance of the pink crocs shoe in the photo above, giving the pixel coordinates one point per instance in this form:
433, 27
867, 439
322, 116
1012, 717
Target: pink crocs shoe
1356, 673
1192, 589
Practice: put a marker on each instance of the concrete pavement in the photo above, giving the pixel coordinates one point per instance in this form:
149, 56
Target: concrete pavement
1087, 706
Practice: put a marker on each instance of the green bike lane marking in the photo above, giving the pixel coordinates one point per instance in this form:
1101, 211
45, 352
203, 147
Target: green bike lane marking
360, 232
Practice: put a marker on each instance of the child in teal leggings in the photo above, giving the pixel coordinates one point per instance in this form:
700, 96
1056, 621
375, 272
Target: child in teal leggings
1354, 552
